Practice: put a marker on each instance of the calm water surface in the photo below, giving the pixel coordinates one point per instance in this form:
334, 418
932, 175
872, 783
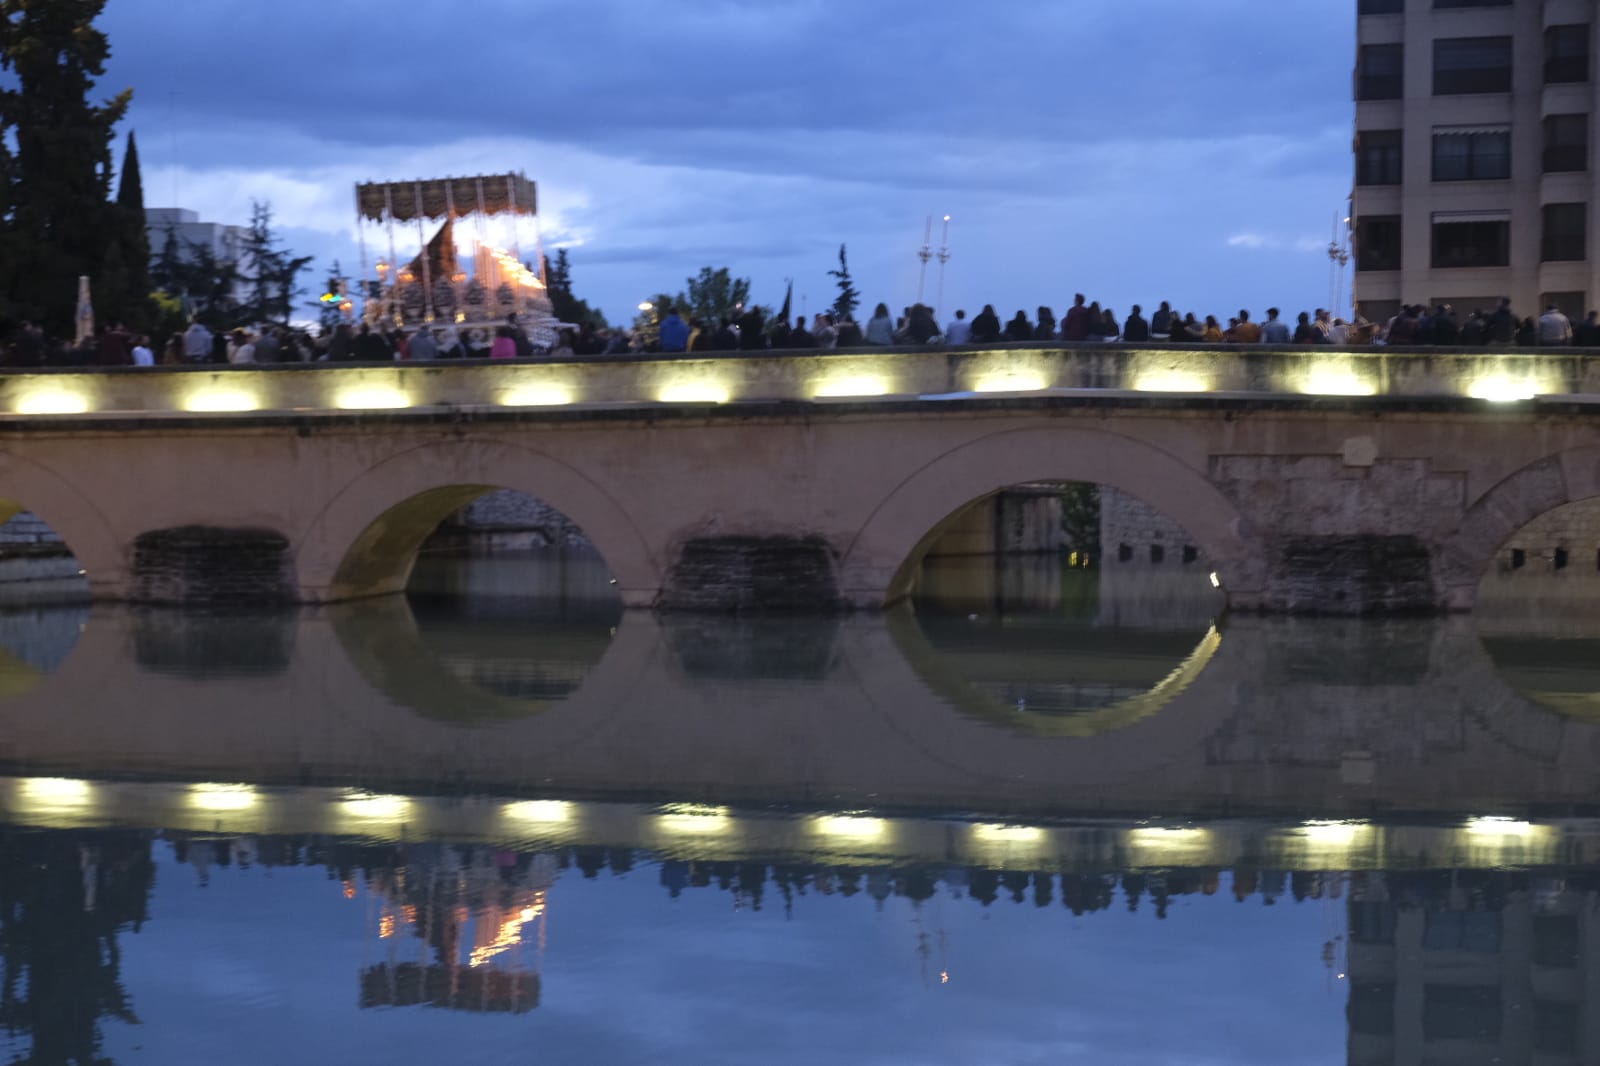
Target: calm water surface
1044, 815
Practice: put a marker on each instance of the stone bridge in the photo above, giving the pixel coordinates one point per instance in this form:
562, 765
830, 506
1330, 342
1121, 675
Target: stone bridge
1312, 480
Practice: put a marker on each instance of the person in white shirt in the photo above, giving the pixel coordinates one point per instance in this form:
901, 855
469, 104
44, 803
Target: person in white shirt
959, 331
240, 350
1554, 327
142, 355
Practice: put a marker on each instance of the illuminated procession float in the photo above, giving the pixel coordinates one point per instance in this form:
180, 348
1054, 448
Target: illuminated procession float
437, 287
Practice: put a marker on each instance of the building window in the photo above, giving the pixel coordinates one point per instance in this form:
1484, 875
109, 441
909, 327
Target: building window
1380, 72
1564, 233
1381, 7
1461, 1012
1471, 242
1471, 154
1462, 931
1471, 65
1571, 304
1380, 311
1555, 940
1371, 1009
1378, 157
1566, 143
1566, 53
1555, 1027
1378, 242
1371, 923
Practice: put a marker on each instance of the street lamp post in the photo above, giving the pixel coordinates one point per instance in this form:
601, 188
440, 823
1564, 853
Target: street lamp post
925, 253
944, 257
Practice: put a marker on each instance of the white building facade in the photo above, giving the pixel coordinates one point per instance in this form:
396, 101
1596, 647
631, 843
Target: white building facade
1473, 163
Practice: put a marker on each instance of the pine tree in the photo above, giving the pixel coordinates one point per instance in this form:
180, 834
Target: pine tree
269, 273
59, 221
845, 304
125, 281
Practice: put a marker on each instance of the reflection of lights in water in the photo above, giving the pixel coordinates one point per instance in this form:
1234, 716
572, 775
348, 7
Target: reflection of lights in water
213, 797
1019, 834
367, 805
1158, 843
540, 811
944, 977
386, 927
695, 818
853, 827
1332, 833
1500, 827
56, 792
509, 934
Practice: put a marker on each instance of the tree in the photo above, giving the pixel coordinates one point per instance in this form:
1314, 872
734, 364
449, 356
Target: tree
126, 272
845, 304
58, 220
715, 295
565, 306
270, 275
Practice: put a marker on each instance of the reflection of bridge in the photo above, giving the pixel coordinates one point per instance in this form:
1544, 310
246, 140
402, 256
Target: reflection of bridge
1322, 719
805, 480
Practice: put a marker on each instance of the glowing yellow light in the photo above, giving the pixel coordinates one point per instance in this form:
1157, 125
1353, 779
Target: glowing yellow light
1336, 381
1019, 834
536, 396
222, 400
509, 934
857, 385
52, 402
1503, 388
1216, 582
853, 827
1167, 837
57, 791
694, 392
367, 805
386, 927
944, 977
1341, 834
210, 797
1170, 381
1011, 381
1500, 827
695, 818
371, 398
646, 305
539, 811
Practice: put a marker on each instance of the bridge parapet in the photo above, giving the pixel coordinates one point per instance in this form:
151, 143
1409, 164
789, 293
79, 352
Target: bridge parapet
1289, 372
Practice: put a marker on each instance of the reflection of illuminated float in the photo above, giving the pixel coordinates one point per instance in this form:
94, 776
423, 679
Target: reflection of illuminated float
434, 287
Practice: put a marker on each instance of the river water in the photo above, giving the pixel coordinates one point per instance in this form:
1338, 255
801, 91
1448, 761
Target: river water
1040, 815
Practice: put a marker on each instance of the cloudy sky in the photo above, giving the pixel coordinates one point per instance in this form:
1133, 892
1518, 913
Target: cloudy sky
1134, 149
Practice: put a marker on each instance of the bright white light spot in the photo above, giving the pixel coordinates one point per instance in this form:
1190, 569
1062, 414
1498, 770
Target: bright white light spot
1332, 833
1011, 381
371, 398
52, 402
367, 805
212, 797
1011, 833
1216, 582
1170, 381
695, 819
1502, 388
549, 811
1158, 836
218, 400
1500, 827
1336, 381
56, 791
694, 392
857, 385
853, 827
536, 396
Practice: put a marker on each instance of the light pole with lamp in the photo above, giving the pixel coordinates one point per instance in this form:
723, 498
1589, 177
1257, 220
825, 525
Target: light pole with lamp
944, 257
925, 253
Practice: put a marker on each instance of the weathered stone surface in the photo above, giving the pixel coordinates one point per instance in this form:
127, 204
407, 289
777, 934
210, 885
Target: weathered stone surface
1360, 574
213, 644
754, 574
205, 564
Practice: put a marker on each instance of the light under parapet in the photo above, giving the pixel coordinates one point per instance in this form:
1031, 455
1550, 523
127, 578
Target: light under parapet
1506, 388
221, 400
1170, 381
541, 395
1337, 380
853, 385
371, 398
52, 401
1011, 381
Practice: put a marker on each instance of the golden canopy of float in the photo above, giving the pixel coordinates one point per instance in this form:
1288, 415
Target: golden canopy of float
435, 286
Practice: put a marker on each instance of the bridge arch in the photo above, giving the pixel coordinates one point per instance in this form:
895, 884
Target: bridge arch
1496, 517
364, 541
82, 527
878, 566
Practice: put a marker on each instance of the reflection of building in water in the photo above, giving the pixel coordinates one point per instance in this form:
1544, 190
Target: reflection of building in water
1473, 966
454, 924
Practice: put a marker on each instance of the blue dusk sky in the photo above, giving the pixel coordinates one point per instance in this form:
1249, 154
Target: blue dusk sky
1136, 150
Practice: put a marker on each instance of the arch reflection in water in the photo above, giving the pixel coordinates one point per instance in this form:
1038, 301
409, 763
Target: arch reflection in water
1036, 644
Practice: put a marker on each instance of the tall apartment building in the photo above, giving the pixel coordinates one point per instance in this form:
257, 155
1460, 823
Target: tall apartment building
1474, 174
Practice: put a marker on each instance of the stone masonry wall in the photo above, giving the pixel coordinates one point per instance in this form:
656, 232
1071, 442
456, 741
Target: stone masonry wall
1564, 542
510, 519
1133, 532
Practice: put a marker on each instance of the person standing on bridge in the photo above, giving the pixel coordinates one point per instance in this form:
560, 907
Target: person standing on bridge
674, 332
880, 327
959, 331
1075, 326
1273, 330
423, 347
1554, 327
197, 343
1136, 330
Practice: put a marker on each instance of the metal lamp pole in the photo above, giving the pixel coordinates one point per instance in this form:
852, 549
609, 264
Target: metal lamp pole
944, 257
924, 253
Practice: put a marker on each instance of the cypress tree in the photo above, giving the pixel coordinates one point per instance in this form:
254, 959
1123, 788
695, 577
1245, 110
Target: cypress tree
131, 292
60, 222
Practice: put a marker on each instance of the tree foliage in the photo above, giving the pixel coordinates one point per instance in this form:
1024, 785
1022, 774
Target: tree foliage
567, 307
845, 304
269, 275
55, 173
714, 294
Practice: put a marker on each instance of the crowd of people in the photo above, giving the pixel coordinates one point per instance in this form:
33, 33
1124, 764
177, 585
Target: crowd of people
676, 331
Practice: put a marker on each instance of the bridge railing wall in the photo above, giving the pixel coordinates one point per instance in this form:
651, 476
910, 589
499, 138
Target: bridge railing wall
1488, 374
